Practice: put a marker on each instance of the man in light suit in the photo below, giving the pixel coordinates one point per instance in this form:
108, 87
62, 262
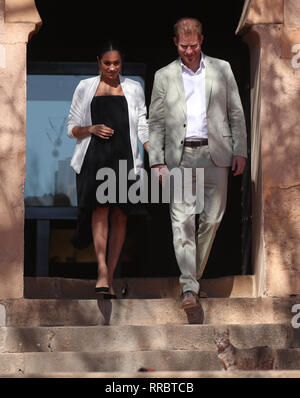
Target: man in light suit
196, 120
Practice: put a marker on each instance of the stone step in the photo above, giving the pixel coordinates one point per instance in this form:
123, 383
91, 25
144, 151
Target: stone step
43, 312
142, 288
130, 361
142, 338
161, 374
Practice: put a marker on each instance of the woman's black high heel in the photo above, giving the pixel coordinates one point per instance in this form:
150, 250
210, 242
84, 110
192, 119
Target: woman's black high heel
109, 296
102, 289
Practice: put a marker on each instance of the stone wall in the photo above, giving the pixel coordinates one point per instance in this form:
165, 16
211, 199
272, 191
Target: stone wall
275, 28
18, 19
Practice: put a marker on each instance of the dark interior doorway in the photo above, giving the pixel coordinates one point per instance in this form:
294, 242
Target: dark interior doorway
72, 33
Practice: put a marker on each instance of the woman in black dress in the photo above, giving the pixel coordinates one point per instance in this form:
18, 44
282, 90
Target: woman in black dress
107, 115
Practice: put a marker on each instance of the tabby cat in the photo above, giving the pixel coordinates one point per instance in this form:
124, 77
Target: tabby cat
233, 358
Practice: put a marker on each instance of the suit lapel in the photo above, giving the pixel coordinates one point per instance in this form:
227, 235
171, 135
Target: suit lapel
208, 80
179, 84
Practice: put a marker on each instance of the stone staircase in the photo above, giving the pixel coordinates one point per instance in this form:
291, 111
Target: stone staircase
61, 330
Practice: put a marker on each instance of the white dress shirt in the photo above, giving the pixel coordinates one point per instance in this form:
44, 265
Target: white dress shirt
194, 88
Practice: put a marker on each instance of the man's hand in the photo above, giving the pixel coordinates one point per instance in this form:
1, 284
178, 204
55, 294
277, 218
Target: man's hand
238, 165
160, 170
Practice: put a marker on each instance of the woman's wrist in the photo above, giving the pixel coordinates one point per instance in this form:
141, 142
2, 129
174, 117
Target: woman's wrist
81, 132
146, 146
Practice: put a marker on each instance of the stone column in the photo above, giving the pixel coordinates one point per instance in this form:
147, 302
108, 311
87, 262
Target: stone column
273, 30
18, 19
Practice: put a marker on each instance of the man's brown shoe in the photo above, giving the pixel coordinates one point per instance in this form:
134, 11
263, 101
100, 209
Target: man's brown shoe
202, 294
189, 299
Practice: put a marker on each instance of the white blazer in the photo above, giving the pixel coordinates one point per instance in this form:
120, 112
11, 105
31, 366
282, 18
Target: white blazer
80, 115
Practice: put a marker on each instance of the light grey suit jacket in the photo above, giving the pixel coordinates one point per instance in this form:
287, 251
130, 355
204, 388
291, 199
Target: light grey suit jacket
168, 115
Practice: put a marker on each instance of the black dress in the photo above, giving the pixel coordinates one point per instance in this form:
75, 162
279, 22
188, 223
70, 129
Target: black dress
113, 112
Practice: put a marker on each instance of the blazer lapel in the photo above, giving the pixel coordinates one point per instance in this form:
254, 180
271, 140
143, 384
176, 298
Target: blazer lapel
179, 84
180, 87
125, 88
89, 97
208, 80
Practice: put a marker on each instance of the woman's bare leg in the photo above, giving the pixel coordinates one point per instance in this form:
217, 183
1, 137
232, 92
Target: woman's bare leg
100, 233
118, 222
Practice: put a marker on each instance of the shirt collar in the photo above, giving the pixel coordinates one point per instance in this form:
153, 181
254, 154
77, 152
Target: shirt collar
202, 65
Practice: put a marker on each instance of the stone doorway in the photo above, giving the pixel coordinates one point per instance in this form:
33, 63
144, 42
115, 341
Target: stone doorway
154, 48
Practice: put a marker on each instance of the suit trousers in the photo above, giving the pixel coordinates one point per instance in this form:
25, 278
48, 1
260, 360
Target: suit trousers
193, 234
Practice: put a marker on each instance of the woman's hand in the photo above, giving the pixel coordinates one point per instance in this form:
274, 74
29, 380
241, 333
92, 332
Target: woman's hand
146, 146
101, 131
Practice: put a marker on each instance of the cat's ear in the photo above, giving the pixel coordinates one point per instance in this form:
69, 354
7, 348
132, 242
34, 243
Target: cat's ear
227, 332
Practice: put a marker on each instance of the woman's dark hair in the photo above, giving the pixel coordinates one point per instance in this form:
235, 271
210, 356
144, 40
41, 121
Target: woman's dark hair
110, 45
